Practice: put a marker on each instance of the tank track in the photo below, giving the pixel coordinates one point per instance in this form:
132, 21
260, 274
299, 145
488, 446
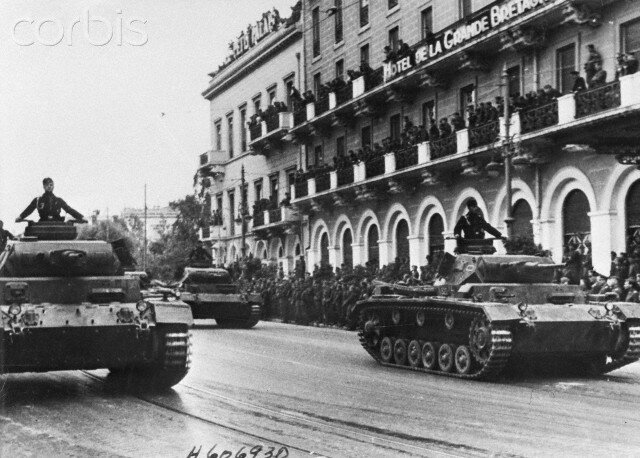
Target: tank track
177, 354
631, 354
501, 341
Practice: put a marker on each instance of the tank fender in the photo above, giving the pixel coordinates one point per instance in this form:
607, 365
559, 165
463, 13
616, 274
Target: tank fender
630, 310
172, 312
502, 312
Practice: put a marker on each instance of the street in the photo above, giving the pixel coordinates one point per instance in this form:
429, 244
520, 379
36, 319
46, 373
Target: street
286, 390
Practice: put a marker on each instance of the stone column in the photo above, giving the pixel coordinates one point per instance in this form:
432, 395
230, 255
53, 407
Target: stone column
334, 256
384, 252
358, 253
602, 224
389, 163
449, 243
416, 257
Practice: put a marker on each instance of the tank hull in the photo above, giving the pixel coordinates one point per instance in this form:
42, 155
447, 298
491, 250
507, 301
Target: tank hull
228, 309
487, 337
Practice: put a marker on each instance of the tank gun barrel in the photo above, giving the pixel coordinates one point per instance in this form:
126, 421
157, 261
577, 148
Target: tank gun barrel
531, 265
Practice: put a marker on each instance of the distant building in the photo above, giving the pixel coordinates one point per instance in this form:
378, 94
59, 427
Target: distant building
158, 218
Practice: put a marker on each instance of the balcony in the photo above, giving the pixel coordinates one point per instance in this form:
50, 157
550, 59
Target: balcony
275, 222
211, 164
374, 167
484, 135
406, 157
599, 99
323, 182
268, 133
537, 118
444, 147
344, 176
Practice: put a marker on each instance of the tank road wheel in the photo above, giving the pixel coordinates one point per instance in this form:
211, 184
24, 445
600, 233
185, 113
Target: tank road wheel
386, 350
429, 355
446, 357
421, 318
400, 352
414, 353
480, 339
463, 360
396, 316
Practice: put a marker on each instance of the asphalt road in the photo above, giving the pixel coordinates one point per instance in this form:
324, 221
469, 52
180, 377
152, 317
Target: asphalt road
304, 391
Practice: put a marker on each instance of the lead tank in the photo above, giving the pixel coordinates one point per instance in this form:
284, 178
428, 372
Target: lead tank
67, 305
492, 311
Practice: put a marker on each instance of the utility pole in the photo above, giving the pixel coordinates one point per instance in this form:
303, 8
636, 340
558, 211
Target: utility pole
144, 252
243, 212
506, 152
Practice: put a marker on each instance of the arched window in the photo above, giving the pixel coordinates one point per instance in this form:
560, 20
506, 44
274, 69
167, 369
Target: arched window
372, 244
402, 241
347, 250
436, 238
576, 223
280, 252
522, 216
324, 249
632, 206
297, 250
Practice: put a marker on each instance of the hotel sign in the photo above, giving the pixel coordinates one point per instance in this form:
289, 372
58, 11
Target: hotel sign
485, 21
255, 32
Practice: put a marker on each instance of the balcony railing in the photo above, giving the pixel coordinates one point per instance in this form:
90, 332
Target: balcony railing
255, 131
300, 115
275, 215
272, 121
323, 182
406, 157
302, 190
344, 94
345, 175
598, 99
374, 167
443, 147
322, 104
373, 79
484, 134
539, 117
258, 218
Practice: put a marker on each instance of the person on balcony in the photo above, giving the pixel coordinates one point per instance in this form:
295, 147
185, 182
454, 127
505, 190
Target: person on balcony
309, 97
457, 121
472, 117
423, 133
434, 133
599, 78
594, 58
286, 202
579, 83
492, 113
445, 128
551, 93
630, 63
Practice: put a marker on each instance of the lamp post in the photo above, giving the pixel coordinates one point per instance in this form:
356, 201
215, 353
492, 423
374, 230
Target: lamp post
507, 153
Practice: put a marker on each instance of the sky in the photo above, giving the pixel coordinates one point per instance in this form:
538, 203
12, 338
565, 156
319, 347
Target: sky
105, 97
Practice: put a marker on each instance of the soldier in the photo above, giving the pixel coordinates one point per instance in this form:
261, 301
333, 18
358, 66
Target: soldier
473, 224
49, 206
199, 255
5, 235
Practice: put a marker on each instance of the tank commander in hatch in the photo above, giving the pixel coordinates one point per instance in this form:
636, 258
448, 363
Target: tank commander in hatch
200, 255
473, 224
49, 206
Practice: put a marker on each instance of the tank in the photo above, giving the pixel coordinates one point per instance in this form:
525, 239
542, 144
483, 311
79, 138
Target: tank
490, 312
211, 294
67, 305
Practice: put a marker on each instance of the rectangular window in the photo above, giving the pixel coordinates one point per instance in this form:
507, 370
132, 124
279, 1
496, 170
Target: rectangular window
232, 212
364, 54
630, 36
428, 112
273, 187
467, 97
365, 136
394, 36
243, 128
565, 64
291, 177
337, 21
392, 3
465, 8
513, 76
317, 81
364, 12
340, 146
340, 68
288, 84
315, 29
256, 103
230, 135
394, 127
272, 94
219, 201
426, 23
218, 135
257, 189
318, 155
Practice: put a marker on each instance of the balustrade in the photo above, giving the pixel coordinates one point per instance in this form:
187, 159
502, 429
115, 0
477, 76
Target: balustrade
275, 215
258, 218
322, 104
302, 190
373, 79
255, 131
406, 157
374, 167
344, 94
272, 121
484, 134
539, 117
447, 146
598, 99
323, 182
345, 175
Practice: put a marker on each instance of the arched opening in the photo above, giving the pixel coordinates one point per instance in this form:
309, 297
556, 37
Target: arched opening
402, 240
632, 205
373, 250
324, 249
297, 250
280, 251
522, 216
347, 249
436, 238
576, 223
